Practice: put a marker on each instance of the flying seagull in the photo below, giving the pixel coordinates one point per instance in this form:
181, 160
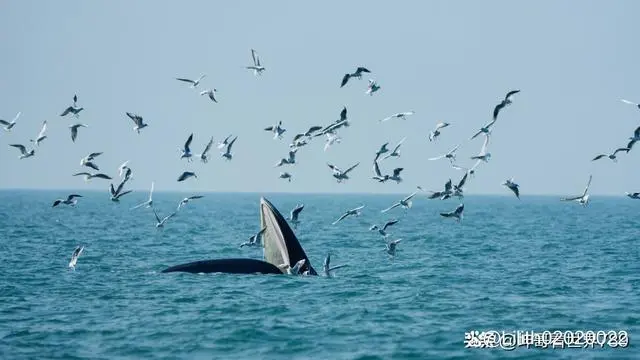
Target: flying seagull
612, 157
372, 87
513, 187
391, 247
204, 157
352, 212
122, 168
72, 110
70, 200
295, 270
339, 174
458, 213
290, 160
186, 200
634, 139
137, 119
211, 93
186, 151
394, 152
383, 149
357, 74
224, 142
255, 239
23, 151
148, 203
92, 165
41, 136
503, 103
227, 153
402, 115
483, 155
378, 174
630, 103
286, 175
451, 155
9, 125
332, 138
433, 135
74, 130
405, 203
256, 67
116, 194
581, 199
75, 256
192, 82
160, 222
635, 195
185, 175
277, 130
89, 176
383, 231
327, 269
293, 216
486, 129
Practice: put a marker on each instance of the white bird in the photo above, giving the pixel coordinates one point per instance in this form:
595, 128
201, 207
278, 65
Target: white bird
483, 155
160, 222
391, 247
458, 213
286, 175
23, 151
277, 130
293, 216
72, 110
503, 103
204, 157
511, 185
74, 257
581, 199
186, 200
256, 67
402, 115
255, 239
357, 74
41, 136
211, 93
451, 155
89, 176
339, 174
383, 149
630, 103
123, 167
227, 153
185, 175
394, 152
290, 160
486, 129
372, 87
332, 138
70, 200
326, 266
295, 270
224, 142
116, 194
433, 135
148, 203
186, 151
137, 119
352, 212
378, 174
192, 82
9, 125
383, 231
635, 195
406, 203
611, 157
396, 175
74, 130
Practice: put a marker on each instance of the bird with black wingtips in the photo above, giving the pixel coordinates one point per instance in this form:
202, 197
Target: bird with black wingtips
41, 136
634, 139
295, 213
194, 83
357, 74
211, 93
204, 157
613, 157
185, 175
23, 151
635, 195
116, 194
257, 66
383, 230
458, 213
255, 239
511, 185
138, 120
74, 130
406, 203
70, 200
227, 153
186, 151
8, 125
340, 175
186, 200
327, 269
581, 199
395, 152
160, 222
352, 212
89, 176
507, 101
435, 133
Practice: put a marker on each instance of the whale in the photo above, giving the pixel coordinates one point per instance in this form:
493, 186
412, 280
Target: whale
281, 250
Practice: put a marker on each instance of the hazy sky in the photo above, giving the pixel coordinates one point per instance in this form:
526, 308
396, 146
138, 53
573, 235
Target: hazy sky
446, 60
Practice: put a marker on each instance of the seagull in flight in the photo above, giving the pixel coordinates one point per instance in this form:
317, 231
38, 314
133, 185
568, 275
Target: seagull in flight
193, 83
72, 110
9, 125
406, 203
327, 269
224, 142
581, 199
256, 67
486, 129
383, 149
286, 175
339, 174
23, 151
255, 239
634, 139
402, 115
635, 195
451, 155
357, 74
378, 174
137, 119
70, 200
186, 200
332, 138
41, 135
484, 155
123, 167
277, 130
74, 257
227, 153
612, 157
458, 213
391, 247
291, 160
447, 192
513, 187
116, 194
394, 152
372, 87
433, 135
160, 222
204, 157
186, 151
89, 176
211, 93
352, 212
630, 103
185, 175
503, 103
74, 130
383, 231
293, 216
148, 203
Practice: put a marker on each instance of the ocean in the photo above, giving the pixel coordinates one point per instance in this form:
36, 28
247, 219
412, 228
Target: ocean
529, 265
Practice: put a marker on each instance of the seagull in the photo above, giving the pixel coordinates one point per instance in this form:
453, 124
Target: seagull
75, 256
291, 160
203, 157
72, 110
127, 173
484, 155
513, 187
257, 67
293, 216
227, 154
395, 152
379, 176
186, 152
446, 193
295, 270
185, 175
391, 247
581, 199
332, 138
635, 195
402, 115
396, 175
23, 151
186, 200
327, 269
355, 212
41, 135
74, 130
383, 149
137, 119
372, 87
457, 189
636, 137
486, 129
211, 93
91, 165
339, 174
471, 171
89, 176
383, 231
433, 135
405, 203
255, 239
193, 83
148, 203
70, 200
286, 175
612, 157
357, 74
160, 222
9, 125
277, 130
116, 194
503, 103
630, 103
123, 167
451, 155
224, 142
458, 213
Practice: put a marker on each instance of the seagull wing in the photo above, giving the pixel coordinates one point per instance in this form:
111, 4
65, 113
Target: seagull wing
483, 150
588, 184
231, 144
186, 80
343, 113
463, 180
621, 149
345, 79
195, 197
44, 128
437, 157
598, 157
188, 143
157, 217
447, 186
628, 102
388, 118
351, 168
376, 169
4, 122
67, 111
208, 147
358, 208
510, 94
253, 56
337, 267
340, 218
391, 207
497, 109
151, 192
22, 149
410, 196
389, 223
70, 197
399, 144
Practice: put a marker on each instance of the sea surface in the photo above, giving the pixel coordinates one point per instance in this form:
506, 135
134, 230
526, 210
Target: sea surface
531, 265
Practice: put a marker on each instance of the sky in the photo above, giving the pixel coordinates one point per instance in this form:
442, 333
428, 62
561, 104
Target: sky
449, 61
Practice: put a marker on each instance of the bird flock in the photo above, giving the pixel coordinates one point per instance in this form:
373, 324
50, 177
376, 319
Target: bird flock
300, 140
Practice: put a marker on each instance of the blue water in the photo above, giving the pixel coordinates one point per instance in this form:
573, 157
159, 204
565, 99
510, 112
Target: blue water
535, 264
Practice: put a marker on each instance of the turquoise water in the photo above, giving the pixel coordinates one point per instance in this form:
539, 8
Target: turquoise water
535, 264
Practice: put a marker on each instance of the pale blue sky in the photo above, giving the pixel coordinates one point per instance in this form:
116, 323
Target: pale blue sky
446, 60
